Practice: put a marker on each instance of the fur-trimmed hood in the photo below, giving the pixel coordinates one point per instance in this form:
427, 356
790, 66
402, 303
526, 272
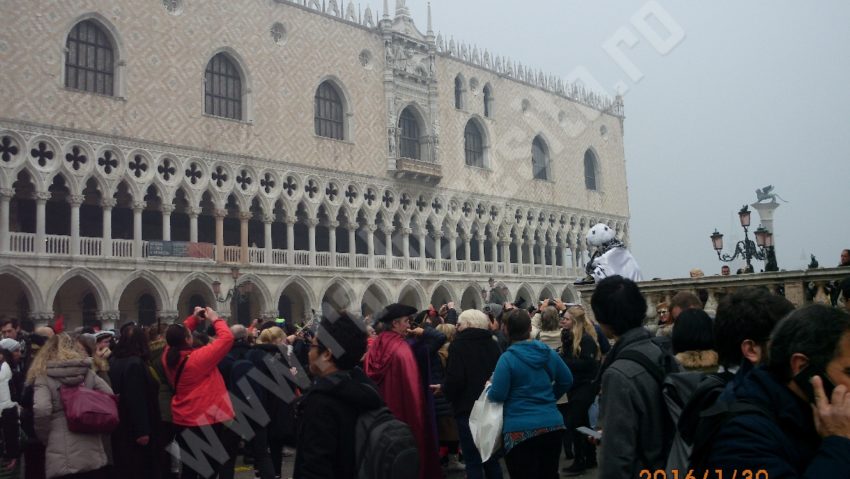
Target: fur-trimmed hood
705, 359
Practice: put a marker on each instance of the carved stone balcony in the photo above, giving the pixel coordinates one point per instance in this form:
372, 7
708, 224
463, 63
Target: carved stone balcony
418, 171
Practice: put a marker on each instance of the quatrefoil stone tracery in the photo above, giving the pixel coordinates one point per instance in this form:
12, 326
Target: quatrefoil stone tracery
42, 153
7, 149
166, 169
108, 162
243, 180
267, 183
219, 176
194, 173
138, 166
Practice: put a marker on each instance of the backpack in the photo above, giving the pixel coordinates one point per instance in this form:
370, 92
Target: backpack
659, 371
708, 424
385, 446
686, 395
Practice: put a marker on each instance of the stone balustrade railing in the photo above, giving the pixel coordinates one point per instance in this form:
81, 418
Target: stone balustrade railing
799, 287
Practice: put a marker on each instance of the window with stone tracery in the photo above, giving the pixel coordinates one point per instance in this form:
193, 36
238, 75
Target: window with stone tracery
89, 59
488, 101
539, 159
590, 170
329, 112
473, 145
458, 92
409, 146
223, 88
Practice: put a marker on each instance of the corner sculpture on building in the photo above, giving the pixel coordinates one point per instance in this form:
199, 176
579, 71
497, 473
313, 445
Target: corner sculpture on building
332, 155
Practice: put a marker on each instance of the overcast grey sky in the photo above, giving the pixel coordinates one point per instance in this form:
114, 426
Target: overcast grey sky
755, 94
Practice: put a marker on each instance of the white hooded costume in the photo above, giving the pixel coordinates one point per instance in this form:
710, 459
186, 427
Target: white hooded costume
611, 257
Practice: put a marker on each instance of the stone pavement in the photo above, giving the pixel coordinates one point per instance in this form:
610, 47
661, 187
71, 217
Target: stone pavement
246, 472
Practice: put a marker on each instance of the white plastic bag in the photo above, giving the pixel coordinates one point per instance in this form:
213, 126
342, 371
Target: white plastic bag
485, 422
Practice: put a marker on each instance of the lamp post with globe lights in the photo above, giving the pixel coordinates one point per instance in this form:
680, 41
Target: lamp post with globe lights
762, 249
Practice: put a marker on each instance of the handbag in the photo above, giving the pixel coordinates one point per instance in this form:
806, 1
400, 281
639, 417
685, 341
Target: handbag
89, 411
485, 423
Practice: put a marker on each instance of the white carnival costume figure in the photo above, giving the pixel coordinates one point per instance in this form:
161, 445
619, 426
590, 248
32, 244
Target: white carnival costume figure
611, 256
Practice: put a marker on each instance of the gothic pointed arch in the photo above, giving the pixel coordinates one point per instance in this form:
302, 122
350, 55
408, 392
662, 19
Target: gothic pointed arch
476, 144
93, 61
411, 130
331, 110
540, 159
227, 86
161, 292
591, 170
94, 285
29, 286
411, 293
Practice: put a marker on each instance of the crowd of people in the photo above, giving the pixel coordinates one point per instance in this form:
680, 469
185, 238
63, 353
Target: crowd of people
770, 390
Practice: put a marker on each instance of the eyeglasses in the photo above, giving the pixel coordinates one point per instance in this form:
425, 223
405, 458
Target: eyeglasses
662, 311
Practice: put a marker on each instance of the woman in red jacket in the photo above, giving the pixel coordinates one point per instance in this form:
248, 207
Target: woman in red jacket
201, 404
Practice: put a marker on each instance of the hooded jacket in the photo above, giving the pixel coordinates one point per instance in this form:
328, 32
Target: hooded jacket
326, 417
529, 377
66, 452
472, 358
786, 446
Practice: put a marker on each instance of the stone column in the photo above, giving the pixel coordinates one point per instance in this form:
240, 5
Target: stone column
552, 254
244, 218
193, 223
166, 221
423, 234
467, 251
267, 237
311, 238
453, 249
332, 226
438, 246
6, 196
107, 204
370, 243
41, 318
75, 201
388, 242
40, 220
138, 207
290, 239
504, 241
219, 235
531, 257
352, 243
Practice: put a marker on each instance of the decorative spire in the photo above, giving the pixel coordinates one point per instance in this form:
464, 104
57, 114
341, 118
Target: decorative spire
430, 28
401, 9
386, 9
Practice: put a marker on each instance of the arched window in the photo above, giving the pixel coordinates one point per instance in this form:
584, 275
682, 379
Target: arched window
409, 137
539, 159
488, 100
89, 59
458, 92
329, 112
590, 170
223, 88
473, 145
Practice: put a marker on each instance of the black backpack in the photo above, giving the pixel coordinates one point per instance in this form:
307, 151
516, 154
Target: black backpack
709, 422
385, 446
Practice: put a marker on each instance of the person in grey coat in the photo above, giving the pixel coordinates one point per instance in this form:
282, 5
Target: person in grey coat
60, 363
636, 429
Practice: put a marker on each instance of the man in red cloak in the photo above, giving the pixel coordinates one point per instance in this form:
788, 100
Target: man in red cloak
391, 365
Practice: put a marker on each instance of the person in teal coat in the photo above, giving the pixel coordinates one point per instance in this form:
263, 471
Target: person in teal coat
528, 379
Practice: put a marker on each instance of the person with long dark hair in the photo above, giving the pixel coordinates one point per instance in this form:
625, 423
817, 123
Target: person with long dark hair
135, 443
200, 401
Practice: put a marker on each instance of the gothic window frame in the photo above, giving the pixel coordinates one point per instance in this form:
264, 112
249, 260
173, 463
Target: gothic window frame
459, 92
245, 102
340, 124
410, 134
483, 147
591, 170
539, 143
115, 77
487, 100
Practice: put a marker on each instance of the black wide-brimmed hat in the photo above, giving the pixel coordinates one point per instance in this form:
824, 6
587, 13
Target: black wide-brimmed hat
394, 311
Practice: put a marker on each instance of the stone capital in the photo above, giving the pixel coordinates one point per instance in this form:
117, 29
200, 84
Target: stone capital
268, 219
194, 211
76, 200
6, 193
245, 215
387, 230
406, 231
372, 227
312, 222
352, 226
168, 317
220, 213
437, 234
291, 220
451, 235
42, 195
108, 203
333, 224
466, 237
139, 205
167, 209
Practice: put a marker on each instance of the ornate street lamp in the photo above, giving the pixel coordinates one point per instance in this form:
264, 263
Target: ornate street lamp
761, 250
239, 294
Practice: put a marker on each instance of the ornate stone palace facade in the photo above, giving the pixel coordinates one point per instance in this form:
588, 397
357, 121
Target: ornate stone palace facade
331, 154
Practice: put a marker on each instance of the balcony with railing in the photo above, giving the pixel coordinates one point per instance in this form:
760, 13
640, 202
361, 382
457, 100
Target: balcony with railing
96, 247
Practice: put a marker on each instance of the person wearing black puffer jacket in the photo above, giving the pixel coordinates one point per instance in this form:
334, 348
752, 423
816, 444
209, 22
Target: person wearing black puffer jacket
472, 358
327, 414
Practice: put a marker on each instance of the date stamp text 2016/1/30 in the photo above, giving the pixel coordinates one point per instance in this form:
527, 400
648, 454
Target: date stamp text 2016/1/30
715, 474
